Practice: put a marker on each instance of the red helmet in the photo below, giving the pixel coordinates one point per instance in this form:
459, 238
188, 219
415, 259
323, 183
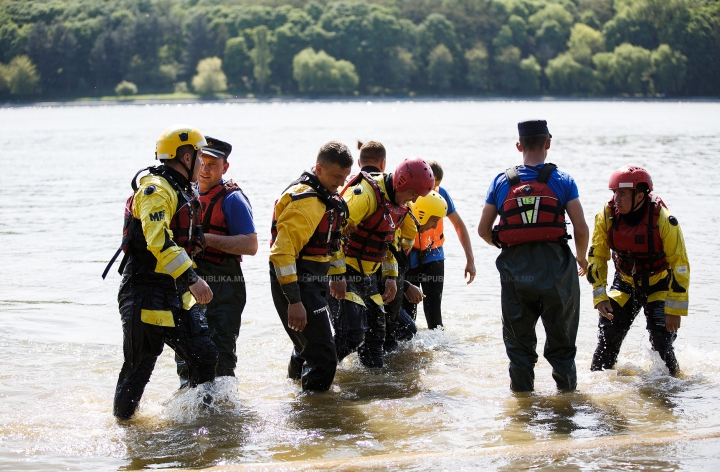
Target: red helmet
629, 177
415, 174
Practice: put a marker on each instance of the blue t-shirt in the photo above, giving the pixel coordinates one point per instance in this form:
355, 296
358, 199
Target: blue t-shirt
238, 213
561, 184
438, 253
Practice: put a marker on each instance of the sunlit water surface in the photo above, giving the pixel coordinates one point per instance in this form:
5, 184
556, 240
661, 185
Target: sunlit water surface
443, 400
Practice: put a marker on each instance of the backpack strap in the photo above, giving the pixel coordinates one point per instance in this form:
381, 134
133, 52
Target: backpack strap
512, 176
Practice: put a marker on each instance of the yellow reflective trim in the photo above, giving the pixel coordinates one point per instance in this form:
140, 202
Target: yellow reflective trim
377, 298
355, 298
620, 297
157, 318
188, 300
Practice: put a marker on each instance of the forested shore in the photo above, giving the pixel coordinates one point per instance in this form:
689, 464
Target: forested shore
66, 49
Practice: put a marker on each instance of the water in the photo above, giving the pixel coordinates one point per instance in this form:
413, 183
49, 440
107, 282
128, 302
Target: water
443, 400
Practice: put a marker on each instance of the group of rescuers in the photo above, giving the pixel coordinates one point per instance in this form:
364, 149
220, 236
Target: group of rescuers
351, 257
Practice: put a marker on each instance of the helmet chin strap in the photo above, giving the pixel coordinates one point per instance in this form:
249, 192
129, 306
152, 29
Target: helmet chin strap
639, 204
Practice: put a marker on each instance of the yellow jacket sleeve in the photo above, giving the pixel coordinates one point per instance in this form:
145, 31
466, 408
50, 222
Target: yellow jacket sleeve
297, 220
677, 301
598, 256
154, 205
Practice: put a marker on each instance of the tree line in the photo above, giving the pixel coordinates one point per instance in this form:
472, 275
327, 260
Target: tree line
71, 48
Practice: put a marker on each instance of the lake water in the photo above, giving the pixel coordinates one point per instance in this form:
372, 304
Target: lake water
442, 401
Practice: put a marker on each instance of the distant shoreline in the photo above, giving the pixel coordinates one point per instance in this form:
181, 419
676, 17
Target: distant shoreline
188, 101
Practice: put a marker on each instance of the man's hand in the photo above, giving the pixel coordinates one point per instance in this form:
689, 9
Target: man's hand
202, 292
297, 317
349, 229
470, 270
414, 294
582, 266
338, 289
672, 323
390, 290
605, 309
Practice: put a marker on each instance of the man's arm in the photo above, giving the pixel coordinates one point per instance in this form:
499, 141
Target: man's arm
581, 233
465, 242
487, 219
241, 244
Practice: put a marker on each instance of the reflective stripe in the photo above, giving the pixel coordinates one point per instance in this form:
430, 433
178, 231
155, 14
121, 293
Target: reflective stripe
337, 263
201, 143
175, 263
625, 185
188, 300
355, 298
284, 271
390, 266
157, 317
681, 270
163, 156
676, 305
599, 292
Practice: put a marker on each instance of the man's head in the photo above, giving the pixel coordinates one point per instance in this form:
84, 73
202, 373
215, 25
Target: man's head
333, 165
534, 136
177, 147
429, 210
372, 153
630, 185
437, 171
412, 179
214, 164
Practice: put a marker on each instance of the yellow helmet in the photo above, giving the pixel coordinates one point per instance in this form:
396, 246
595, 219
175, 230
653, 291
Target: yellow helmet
175, 136
433, 204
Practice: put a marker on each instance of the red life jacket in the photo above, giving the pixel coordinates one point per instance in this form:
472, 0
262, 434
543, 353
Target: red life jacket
531, 211
328, 233
638, 249
213, 220
375, 234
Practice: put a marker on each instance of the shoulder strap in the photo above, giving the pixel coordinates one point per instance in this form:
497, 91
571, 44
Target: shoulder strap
545, 172
512, 176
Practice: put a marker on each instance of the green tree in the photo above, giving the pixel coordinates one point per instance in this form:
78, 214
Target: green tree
236, 61
322, 73
477, 66
261, 57
627, 69
567, 76
440, 67
3, 78
584, 43
210, 78
530, 72
668, 69
507, 70
125, 88
400, 68
22, 76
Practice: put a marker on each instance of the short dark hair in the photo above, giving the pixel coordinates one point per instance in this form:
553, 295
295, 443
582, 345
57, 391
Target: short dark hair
371, 152
642, 187
335, 152
184, 149
437, 169
534, 142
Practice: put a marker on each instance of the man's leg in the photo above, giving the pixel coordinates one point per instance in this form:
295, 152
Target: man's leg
561, 318
190, 338
142, 344
611, 334
348, 316
660, 339
432, 284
